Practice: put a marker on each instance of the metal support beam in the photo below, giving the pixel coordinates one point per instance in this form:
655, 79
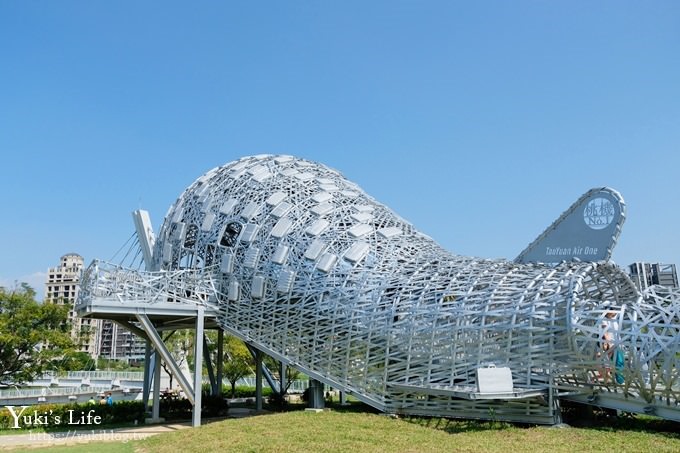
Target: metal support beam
165, 354
148, 373
282, 381
198, 368
619, 402
156, 411
220, 360
265, 370
343, 399
258, 380
145, 235
209, 365
316, 396
132, 328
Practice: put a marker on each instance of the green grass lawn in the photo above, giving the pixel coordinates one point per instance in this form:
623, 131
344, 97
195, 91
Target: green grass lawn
334, 431
342, 430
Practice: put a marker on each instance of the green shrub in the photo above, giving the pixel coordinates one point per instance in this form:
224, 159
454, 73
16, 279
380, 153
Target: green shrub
67, 415
213, 406
244, 391
172, 407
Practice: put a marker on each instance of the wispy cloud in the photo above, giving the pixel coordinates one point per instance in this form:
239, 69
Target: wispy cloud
36, 280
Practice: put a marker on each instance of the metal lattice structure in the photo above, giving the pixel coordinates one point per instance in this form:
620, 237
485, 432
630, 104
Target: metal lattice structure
300, 263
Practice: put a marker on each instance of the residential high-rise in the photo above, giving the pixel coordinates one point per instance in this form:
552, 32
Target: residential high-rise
118, 343
62, 287
645, 275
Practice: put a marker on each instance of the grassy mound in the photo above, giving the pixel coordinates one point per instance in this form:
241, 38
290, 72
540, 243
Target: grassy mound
334, 431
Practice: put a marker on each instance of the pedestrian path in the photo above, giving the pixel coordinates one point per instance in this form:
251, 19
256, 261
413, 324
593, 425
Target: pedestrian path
127, 434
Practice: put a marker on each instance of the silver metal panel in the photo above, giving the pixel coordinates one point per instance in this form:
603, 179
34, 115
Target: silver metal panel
285, 281
280, 254
357, 252
281, 209
234, 291
360, 230
317, 227
257, 169
178, 214
258, 287
281, 228
251, 257
228, 206
275, 198
202, 190
260, 177
237, 174
326, 262
178, 232
322, 209
315, 249
329, 188
206, 205
362, 217
207, 221
251, 210
227, 263
239, 165
322, 197
304, 177
390, 232
364, 208
167, 252
249, 232
289, 172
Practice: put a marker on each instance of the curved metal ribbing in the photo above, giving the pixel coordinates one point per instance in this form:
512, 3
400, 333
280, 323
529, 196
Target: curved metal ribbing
309, 268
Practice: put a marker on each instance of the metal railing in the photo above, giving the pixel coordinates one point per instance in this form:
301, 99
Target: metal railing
102, 280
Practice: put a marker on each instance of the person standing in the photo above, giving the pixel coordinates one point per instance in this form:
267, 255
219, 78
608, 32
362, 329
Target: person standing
612, 352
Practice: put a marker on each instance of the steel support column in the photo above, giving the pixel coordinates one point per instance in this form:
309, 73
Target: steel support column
156, 410
220, 360
282, 378
258, 380
198, 368
209, 365
148, 373
165, 354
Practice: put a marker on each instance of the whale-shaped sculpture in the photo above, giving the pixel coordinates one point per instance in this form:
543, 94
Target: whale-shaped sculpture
307, 267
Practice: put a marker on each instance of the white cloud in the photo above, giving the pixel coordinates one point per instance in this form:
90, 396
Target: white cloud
36, 280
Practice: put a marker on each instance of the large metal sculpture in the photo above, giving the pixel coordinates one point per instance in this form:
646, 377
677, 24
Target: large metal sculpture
300, 263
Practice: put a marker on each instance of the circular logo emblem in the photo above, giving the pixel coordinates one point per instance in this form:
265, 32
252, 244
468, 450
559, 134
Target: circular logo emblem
599, 213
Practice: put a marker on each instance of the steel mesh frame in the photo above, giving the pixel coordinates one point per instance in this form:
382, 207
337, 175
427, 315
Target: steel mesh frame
304, 265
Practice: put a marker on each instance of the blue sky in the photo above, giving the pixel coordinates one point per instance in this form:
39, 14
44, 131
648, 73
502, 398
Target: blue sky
480, 122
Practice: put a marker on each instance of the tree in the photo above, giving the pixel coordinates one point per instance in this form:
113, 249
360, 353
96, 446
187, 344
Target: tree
180, 344
238, 361
275, 368
33, 336
76, 361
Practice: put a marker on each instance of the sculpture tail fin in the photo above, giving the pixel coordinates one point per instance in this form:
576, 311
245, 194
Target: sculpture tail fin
587, 231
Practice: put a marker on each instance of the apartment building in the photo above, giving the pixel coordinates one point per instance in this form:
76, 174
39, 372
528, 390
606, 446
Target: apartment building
62, 288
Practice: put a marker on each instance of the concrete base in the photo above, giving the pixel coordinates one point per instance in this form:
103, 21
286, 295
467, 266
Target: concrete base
311, 409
